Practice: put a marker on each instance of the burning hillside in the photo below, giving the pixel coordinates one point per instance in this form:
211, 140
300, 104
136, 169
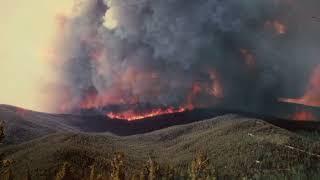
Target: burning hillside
133, 115
172, 56
312, 94
311, 97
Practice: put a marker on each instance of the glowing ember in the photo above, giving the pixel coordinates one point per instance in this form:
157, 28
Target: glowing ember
249, 58
131, 115
312, 95
21, 112
303, 116
216, 86
277, 26
212, 88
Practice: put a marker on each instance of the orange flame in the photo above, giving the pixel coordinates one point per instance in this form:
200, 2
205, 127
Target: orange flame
312, 95
213, 88
115, 95
216, 86
96, 101
303, 116
131, 115
118, 94
196, 90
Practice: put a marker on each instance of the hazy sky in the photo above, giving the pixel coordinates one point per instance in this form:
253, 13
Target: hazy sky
27, 28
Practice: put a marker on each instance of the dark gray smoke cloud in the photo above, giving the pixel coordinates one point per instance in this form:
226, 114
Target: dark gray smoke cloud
160, 49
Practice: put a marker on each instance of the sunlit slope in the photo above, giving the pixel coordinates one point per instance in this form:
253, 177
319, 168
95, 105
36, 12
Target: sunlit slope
236, 146
22, 125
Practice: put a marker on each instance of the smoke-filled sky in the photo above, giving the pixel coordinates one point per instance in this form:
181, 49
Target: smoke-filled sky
158, 53
27, 30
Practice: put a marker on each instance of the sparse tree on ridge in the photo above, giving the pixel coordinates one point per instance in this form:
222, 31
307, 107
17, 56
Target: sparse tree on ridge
2, 135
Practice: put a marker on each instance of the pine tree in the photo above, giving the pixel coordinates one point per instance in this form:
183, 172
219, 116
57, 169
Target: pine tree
153, 168
118, 168
28, 174
92, 175
199, 168
64, 173
7, 175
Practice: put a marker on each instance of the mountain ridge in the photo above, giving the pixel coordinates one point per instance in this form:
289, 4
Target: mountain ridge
236, 146
23, 125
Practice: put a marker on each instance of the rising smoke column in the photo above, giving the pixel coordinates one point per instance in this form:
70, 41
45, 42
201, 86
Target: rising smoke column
173, 53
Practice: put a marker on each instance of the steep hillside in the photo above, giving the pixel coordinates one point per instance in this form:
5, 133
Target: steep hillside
235, 145
23, 125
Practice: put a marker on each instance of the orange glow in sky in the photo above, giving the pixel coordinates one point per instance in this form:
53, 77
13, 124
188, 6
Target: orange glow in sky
27, 30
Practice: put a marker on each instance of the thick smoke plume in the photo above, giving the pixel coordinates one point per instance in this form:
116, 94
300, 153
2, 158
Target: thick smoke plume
136, 54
